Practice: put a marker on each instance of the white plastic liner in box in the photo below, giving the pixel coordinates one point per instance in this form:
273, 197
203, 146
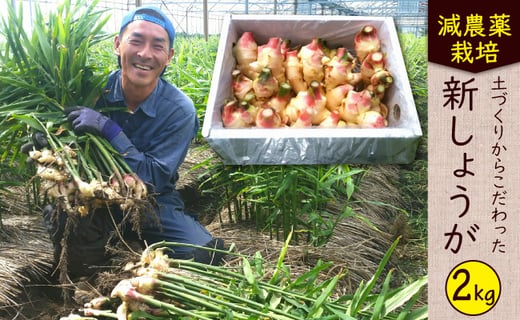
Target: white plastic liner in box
396, 143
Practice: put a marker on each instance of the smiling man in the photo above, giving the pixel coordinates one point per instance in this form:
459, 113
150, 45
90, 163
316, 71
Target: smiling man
154, 129
144, 47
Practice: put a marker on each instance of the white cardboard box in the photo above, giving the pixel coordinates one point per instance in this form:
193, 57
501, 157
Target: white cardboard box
396, 143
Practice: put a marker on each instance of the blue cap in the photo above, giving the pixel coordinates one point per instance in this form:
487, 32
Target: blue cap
150, 14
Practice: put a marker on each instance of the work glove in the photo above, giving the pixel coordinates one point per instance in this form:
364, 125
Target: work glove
38, 142
84, 119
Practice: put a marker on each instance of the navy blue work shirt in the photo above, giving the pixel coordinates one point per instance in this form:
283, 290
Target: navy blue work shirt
156, 136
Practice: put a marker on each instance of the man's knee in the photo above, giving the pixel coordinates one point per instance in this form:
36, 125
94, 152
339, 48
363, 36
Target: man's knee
181, 228
82, 242
213, 255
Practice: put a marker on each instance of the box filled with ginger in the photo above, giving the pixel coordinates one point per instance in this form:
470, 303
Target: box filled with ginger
310, 90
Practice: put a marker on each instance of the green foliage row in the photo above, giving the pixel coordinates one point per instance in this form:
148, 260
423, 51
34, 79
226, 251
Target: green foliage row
279, 199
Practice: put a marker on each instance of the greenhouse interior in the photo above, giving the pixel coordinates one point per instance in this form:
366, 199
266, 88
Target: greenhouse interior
206, 16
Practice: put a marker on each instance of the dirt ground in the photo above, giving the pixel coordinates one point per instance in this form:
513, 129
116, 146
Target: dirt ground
29, 291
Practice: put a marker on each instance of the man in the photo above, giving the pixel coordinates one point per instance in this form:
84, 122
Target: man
155, 129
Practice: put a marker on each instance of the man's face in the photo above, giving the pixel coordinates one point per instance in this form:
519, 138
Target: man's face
144, 51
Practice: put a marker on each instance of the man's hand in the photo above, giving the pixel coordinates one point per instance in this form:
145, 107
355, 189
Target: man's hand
84, 119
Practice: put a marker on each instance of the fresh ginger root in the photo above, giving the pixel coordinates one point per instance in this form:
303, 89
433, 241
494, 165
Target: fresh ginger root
275, 85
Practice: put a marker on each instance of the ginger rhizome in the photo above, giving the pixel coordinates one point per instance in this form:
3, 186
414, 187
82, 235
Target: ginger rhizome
60, 181
275, 85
